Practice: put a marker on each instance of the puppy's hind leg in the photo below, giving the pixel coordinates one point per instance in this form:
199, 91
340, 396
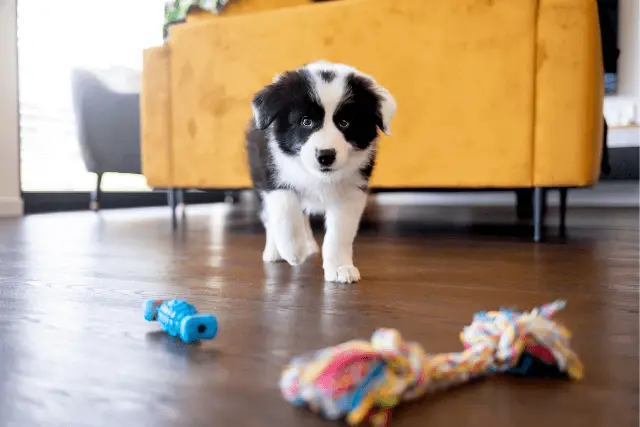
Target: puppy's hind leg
285, 225
312, 245
270, 253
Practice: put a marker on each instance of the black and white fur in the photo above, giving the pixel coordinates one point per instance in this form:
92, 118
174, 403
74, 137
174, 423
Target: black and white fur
312, 145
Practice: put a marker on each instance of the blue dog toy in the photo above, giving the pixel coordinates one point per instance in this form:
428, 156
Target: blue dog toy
180, 319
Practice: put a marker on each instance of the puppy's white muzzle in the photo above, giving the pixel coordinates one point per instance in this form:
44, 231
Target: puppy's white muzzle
325, 152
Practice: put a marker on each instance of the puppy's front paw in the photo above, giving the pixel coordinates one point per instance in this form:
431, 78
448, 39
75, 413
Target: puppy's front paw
342, 274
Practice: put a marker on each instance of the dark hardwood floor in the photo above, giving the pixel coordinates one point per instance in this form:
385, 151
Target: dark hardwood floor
76, 351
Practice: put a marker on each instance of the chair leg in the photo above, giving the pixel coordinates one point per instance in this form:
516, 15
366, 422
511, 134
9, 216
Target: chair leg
231, 197
181, 203
180, 199
172, 199
539, 194
96, 195
564, 194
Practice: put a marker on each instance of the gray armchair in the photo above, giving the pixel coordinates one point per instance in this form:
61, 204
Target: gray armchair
107, 110
108, 126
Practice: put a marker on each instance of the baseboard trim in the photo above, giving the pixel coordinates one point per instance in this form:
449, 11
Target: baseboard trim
610, 194
42, 202
11, 207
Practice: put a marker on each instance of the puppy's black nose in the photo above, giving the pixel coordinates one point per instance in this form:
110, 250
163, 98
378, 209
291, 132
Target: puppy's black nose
326, 157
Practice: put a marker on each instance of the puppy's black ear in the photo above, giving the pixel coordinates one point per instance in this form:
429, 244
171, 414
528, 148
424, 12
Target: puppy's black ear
372, 92
386, 108
266, 105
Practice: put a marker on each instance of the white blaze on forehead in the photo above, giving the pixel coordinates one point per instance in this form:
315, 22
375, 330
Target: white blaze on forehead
330, 93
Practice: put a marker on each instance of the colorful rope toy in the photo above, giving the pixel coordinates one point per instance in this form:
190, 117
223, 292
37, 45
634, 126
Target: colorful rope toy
363, 380
180, 319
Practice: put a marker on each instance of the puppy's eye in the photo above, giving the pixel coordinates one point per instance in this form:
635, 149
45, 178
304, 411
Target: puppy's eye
306, 122
343, 124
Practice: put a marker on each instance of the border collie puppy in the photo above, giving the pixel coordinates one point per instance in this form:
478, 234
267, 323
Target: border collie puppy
312, 147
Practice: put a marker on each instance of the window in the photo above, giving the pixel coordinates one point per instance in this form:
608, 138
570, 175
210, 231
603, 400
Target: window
53, 38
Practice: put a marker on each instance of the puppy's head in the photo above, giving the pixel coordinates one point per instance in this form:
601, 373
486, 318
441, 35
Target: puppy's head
327, 114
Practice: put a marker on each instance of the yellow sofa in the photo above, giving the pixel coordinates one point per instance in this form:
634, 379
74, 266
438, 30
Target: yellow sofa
491, 93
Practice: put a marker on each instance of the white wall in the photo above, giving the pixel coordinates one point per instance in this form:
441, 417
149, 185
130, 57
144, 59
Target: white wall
623, 109
10, 198
629, 48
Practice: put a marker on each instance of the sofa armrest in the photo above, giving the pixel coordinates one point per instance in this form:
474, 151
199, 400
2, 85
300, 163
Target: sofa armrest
155, 113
